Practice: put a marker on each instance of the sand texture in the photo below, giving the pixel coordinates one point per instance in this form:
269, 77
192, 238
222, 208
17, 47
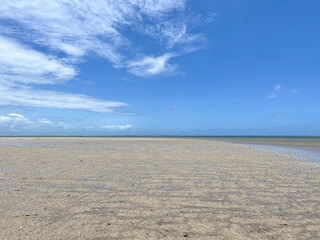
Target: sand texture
121, 188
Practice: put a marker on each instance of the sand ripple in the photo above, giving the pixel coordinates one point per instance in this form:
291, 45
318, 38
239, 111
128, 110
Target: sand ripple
87, 188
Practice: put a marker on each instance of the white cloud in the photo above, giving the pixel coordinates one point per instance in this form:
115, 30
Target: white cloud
14, 122
44, 121
273, 95
277, 115
295, 91
42, 42
16, 115
276, 89
17, 123
18, 95
77, 28
172, 32
149, 66
63, 125
18, 63
20, 67
71, 50
116, 127
13, 119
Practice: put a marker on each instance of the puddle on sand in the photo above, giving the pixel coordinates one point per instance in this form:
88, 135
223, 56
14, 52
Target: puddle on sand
301, 153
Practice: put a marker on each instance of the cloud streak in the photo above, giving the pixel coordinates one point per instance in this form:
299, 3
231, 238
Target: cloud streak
149, 66
277, 115
17, 95
22, 67
77, 28
275, 91
21, 64
116, 127
44, 41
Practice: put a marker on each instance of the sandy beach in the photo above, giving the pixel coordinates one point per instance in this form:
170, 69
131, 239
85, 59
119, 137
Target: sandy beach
155, 188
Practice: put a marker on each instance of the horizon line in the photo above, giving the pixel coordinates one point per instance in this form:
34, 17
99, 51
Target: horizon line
200, 136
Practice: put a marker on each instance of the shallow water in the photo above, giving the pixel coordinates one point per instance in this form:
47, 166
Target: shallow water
301, 153
306, 143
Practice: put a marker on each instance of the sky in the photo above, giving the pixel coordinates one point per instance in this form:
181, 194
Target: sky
159, 67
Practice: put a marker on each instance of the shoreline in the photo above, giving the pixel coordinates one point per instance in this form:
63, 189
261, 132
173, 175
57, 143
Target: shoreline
302, 143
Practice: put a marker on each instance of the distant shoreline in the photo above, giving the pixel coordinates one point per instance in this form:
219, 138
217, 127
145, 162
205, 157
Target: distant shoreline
310, 143
170, 136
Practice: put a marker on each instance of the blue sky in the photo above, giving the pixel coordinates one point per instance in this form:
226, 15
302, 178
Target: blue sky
210, 67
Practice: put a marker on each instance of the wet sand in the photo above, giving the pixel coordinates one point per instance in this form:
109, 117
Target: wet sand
144, 188
305, 143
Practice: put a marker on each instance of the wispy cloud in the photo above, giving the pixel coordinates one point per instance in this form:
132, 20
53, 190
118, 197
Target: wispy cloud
21, 64
21, 95
44, 121
42, 42
22, 67
63, 125
276, 115
77, 28
149, 66
295, 91
116, 127
275, 91
277, 87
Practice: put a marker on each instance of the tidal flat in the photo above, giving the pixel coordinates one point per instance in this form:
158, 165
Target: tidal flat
155, 188
295, 142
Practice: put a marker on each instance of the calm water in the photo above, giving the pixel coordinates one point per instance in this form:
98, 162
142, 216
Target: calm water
306, 147
306, 143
